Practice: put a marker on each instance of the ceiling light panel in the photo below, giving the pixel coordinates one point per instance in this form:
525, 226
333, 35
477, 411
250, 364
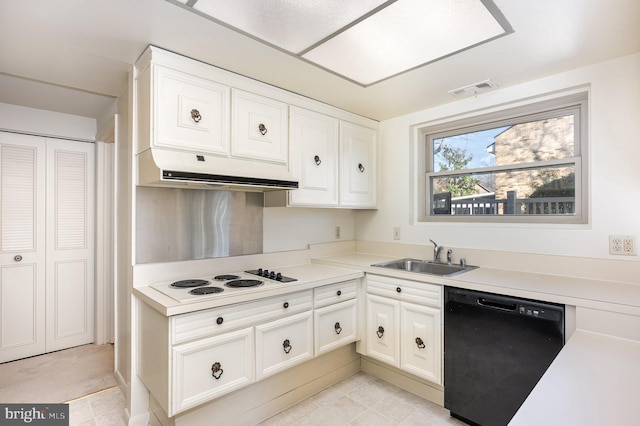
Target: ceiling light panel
405, 35
292, 25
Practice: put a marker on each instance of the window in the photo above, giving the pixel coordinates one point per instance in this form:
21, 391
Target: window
524, 164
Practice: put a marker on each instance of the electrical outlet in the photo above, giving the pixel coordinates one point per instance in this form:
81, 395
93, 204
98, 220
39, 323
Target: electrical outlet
396, 233
622, 245
629, 245
337, 232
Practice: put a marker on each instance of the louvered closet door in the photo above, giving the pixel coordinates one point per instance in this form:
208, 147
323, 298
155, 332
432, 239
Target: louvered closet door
70, 244
22, 246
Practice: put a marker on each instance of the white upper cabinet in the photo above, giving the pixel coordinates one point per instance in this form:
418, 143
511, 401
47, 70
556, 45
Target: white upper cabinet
195, 118
192, 113
314, 158
334, 160
188, 112
259, 128
358, 166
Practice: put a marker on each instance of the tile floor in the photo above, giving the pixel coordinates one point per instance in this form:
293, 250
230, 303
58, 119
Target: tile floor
358, 400
104, 408
364, 400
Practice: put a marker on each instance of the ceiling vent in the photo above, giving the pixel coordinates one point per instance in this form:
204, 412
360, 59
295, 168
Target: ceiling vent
473, 89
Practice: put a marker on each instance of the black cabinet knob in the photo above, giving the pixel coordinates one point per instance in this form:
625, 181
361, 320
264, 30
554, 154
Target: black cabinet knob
339, 293
398, 289
220, 320
286, 305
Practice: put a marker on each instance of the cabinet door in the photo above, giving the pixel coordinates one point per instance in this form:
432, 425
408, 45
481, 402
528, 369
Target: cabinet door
335, 326
22, 246
358, 166
314, 158
421, 341
383, 333
191, 113
283, 343
259, 128
207, 368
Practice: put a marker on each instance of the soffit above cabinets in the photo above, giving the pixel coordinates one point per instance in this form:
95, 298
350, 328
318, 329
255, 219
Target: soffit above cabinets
366, 41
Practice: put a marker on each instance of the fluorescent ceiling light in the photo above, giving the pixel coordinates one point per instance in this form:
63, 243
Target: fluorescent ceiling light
291, 25
364, 41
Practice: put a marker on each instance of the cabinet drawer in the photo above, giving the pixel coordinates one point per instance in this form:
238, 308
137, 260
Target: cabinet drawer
192, 113
208, 368
259, 128
334, 293
283, 343
195, 325
411, 291
335, 326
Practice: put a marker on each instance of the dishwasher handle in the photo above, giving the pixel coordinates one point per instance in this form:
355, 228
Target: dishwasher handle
496, 304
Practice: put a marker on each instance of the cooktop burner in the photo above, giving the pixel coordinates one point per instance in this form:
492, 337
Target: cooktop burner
206, 290
189, 283
225, 277
244, 283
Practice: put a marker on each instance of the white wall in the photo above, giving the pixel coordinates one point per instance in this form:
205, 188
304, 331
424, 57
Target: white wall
293, 228
614, 172
46, 123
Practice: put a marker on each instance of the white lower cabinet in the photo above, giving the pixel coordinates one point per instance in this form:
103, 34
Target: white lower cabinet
335, 326
283, 343
420, 341
404, 325
383, 329
207, 368
188, 359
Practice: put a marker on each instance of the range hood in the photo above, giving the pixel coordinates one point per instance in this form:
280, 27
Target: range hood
169, 168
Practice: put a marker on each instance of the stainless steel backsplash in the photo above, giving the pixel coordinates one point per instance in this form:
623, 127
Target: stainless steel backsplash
190, 224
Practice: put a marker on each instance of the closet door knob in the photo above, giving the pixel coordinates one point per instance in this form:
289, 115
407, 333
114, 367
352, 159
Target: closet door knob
262, 129
317, 160
420, 343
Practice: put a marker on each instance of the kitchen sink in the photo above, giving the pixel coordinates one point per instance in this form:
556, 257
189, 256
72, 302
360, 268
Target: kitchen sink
425, 267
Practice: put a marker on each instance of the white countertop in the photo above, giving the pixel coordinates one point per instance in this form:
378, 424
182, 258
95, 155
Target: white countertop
599, 294
594, 380
307, 275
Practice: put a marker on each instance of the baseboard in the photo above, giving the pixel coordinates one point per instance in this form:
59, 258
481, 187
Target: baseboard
403, 380
264, 399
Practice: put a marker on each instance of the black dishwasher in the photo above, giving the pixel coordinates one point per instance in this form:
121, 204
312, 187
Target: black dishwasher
496, 348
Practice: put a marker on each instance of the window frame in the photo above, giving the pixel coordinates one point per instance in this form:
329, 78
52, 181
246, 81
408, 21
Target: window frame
576, 103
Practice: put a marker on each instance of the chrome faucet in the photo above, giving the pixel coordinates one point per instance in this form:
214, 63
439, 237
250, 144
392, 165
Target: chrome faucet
436, 251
